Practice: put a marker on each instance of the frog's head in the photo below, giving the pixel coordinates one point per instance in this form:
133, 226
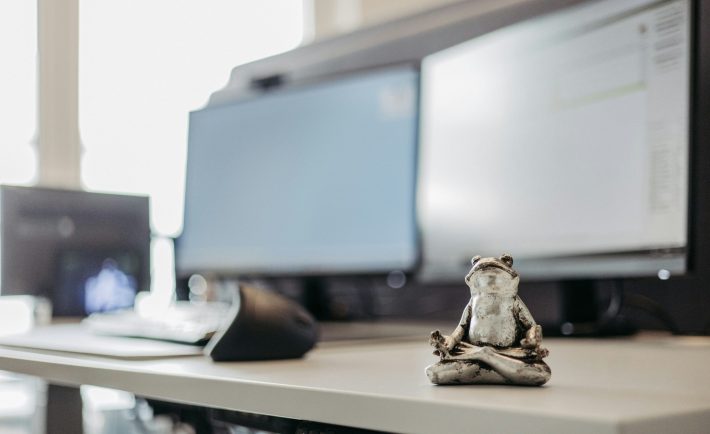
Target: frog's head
493, 275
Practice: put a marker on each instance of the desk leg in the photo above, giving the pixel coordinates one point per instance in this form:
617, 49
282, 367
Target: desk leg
64, 410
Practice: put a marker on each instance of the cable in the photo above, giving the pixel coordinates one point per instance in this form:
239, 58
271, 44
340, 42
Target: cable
654, 308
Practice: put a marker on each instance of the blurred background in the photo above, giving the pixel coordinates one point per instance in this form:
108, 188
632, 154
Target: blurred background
96, 96
99, 93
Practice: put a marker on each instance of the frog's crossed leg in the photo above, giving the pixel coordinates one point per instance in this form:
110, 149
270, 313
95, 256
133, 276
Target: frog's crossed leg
486, 365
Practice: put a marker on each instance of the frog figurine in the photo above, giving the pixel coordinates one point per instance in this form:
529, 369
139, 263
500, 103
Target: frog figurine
497, 340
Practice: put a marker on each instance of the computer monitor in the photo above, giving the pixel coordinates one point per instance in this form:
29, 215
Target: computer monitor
562, 140
310, 179
86, 252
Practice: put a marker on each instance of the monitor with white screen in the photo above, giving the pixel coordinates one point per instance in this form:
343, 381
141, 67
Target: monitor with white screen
307, 180
563, 140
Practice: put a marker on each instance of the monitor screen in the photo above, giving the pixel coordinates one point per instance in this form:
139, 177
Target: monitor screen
95, 280
311, 179
562, 140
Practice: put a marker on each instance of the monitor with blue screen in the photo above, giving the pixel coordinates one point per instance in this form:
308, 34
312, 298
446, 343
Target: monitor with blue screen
309, 180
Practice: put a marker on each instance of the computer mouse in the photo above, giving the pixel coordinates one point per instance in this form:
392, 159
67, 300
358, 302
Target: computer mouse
263, 325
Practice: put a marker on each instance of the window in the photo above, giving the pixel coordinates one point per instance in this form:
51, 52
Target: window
18, 91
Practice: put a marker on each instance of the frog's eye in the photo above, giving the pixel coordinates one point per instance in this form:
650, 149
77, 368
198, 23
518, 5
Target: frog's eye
475, 259
507, 259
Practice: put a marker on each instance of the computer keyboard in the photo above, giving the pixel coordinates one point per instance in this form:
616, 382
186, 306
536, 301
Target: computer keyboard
183, 322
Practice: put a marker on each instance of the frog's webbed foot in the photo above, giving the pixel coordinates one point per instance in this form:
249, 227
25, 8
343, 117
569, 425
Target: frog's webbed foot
532, 341
533, 337
438, 341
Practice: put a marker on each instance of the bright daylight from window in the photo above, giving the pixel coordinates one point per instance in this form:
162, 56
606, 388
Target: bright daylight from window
18, 91
144, 65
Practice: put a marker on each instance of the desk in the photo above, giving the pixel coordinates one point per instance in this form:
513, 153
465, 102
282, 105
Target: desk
645, 385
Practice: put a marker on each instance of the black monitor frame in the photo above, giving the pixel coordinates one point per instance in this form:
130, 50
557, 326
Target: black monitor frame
699, 211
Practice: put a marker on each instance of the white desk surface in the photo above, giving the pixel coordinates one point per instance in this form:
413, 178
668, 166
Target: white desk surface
645, 385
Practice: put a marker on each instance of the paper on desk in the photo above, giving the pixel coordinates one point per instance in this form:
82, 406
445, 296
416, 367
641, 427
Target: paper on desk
73, 338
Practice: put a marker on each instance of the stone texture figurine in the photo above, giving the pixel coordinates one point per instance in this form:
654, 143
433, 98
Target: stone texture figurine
497, 340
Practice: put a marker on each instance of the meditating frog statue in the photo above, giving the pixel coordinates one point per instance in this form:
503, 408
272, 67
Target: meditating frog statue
497, 340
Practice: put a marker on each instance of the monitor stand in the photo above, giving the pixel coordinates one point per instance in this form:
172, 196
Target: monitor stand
584, 313
316, 298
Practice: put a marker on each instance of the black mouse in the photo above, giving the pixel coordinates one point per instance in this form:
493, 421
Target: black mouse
263, 326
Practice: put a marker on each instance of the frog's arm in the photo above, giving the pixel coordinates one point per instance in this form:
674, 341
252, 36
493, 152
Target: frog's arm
532, 337
523, 315
462, 328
